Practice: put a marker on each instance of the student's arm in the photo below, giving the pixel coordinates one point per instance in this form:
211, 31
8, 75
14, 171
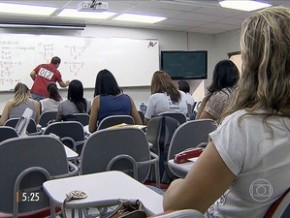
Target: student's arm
206, 115
5, 113
59, 111
135, 113
201, 108
63, 84
94, 114
36, 105
208, 179
33, 75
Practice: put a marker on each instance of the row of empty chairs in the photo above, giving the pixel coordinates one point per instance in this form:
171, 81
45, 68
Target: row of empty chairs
123, 149
50, 116
39, 158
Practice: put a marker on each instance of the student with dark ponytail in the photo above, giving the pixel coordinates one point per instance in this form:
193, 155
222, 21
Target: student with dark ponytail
75, 102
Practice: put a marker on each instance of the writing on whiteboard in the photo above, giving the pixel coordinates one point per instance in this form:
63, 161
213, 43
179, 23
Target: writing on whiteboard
131, 61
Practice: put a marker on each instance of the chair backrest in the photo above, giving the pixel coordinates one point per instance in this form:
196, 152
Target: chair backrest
189, 135
71, 133
180, 117
72, 129
7, 132
115, 120
25, 156
47, 117
104, 145
31, 128
160, 130
83, 118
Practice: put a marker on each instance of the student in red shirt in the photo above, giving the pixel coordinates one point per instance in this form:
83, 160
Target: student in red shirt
44, 74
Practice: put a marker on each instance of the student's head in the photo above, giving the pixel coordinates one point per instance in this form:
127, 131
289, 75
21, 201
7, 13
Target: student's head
21, 94
56, 61
265, 50
184, 86
225, 75
162, 83
52, 91
75, 90
106, 84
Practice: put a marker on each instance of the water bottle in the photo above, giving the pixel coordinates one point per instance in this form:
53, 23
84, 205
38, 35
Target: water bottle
143, 108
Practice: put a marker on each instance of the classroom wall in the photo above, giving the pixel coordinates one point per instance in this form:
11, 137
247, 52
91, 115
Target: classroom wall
217, 45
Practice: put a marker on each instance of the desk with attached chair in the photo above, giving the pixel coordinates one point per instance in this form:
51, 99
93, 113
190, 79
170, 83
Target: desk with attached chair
103, 188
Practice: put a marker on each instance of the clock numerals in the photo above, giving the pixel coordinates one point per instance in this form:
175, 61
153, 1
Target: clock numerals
29, 196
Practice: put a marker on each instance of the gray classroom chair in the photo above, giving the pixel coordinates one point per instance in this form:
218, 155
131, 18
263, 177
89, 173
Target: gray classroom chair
115, 120
31, 128
124, 149
188, 135
160, 130
83, 118
71, 133
25, 164
47, 117
7, 132
180, 117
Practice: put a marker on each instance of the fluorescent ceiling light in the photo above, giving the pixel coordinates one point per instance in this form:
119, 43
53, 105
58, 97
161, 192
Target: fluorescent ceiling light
44, 26
139, 18
93, 15
26, 9
244, 5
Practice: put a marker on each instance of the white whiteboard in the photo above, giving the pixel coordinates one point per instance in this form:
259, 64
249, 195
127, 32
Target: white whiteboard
132, 62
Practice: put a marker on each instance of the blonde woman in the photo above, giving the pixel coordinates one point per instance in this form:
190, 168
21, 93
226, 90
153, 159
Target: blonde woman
245, 166
16, 106
165, 96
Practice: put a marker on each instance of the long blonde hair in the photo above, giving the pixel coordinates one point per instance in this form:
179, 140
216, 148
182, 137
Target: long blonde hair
21, 94
265, 50
162, 83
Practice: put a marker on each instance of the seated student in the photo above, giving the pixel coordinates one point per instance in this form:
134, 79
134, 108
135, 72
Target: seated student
51, 103
225, 78
75, 102
109, 99
15, 107
245, 166
165, 97
184, 86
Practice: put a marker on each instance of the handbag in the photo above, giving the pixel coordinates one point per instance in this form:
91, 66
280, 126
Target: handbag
128, 209
122, 209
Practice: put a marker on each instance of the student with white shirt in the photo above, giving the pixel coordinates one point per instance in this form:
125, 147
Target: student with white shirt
245, 166
165, 97
51, 103
184, 86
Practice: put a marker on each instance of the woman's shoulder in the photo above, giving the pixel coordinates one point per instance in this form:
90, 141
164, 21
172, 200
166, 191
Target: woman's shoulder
222, 94
33, 101
158, 95
65, 102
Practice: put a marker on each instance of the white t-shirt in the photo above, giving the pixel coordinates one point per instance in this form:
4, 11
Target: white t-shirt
258, 153
48, 104
161, 102
189, 99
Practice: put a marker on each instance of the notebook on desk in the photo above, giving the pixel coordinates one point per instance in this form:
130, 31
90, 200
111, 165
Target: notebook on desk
122, 125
